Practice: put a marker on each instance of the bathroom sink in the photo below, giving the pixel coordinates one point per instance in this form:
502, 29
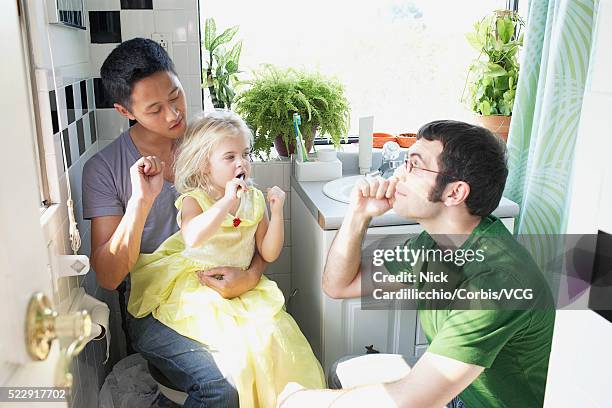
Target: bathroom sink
340, 189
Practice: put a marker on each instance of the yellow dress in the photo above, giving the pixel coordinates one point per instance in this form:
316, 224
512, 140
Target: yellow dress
259, 344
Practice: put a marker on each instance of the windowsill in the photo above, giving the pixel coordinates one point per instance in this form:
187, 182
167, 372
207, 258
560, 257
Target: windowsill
47, 213
273, 158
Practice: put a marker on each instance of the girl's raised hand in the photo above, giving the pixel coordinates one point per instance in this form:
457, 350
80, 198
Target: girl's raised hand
233, 186
276, 198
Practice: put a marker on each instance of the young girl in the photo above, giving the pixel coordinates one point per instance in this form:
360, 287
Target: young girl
222, 219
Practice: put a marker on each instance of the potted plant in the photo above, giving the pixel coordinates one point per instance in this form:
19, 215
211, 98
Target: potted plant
276, 94
494, 74
221, 68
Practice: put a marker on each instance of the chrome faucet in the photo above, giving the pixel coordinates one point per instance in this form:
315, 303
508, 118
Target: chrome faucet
390, 159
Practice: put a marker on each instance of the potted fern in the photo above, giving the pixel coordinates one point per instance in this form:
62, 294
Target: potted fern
275, 94
494, 74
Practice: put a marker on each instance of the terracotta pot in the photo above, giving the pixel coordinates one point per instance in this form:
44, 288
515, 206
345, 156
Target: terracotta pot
281, 148
498, 124
406, 139
379, 139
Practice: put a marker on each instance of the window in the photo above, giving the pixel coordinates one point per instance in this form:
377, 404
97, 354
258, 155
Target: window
405, 62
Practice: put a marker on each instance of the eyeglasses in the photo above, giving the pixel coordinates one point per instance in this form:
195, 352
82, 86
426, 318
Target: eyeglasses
410, 166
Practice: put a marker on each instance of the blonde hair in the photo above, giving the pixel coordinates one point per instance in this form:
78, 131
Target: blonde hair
201, 137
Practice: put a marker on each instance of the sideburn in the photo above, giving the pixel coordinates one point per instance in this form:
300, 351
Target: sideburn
435, 195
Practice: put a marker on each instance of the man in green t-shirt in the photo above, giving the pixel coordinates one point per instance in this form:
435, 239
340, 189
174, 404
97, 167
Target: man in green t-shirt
482, 353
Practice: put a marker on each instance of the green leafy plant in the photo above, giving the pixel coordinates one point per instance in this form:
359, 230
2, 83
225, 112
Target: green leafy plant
494, 74
275, 94
221, 68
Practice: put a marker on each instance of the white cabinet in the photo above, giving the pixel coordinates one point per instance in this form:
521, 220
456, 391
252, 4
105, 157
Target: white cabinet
336, 328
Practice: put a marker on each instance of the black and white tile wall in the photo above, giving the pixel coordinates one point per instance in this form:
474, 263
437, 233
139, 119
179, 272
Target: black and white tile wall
74, 122
69, 127
114, 21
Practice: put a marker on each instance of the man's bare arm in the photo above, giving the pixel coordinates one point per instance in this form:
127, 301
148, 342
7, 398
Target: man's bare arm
342, 275
432, 382
115, 243
234, 281
370, 197
115, 240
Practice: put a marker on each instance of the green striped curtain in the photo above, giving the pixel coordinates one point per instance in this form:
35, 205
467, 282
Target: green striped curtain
547, 110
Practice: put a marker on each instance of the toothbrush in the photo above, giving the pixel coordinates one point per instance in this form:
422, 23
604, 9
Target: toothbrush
236, 221
301, 149
249, 183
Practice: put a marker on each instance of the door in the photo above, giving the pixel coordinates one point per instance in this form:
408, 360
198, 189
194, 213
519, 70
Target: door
24, 259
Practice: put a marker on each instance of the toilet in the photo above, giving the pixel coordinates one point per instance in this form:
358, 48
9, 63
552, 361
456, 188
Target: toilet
166, 387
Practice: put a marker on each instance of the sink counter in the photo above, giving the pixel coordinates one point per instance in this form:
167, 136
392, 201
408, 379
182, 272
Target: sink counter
330, 213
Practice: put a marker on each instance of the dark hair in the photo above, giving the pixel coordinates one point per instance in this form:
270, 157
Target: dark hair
473, 154
130, 62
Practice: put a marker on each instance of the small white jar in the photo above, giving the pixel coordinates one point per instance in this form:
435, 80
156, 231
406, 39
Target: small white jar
326, 155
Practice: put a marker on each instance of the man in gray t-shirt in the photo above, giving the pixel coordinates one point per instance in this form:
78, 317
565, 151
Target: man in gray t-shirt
129, 196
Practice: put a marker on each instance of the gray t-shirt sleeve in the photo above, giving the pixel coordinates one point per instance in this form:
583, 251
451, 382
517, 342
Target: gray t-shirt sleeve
100, 194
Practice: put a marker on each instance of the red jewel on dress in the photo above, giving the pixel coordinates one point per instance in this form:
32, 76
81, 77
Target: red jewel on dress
236, 222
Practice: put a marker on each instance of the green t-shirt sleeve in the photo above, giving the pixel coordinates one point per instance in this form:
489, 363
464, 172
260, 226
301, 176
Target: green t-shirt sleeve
477, 336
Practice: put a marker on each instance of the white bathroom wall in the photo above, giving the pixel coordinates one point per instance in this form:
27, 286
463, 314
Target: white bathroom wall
581, 356
277, 172
114, 21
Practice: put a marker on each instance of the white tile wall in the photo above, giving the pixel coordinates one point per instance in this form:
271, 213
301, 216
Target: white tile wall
192, 87
110, 124
62, 110
55, 225
193, 32
98, 53
282, 264
194, 110
274, 173
74, 145
170, 4
180, 57
56, 156
76, 92
265, 175
287, 207
90, 94
172, 21
75, 174
194, 65
136, 23
103, 5
85, 129
55, 166
62, 190
287, 228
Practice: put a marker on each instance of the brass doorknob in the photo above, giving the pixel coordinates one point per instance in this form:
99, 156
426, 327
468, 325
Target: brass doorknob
43, 325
